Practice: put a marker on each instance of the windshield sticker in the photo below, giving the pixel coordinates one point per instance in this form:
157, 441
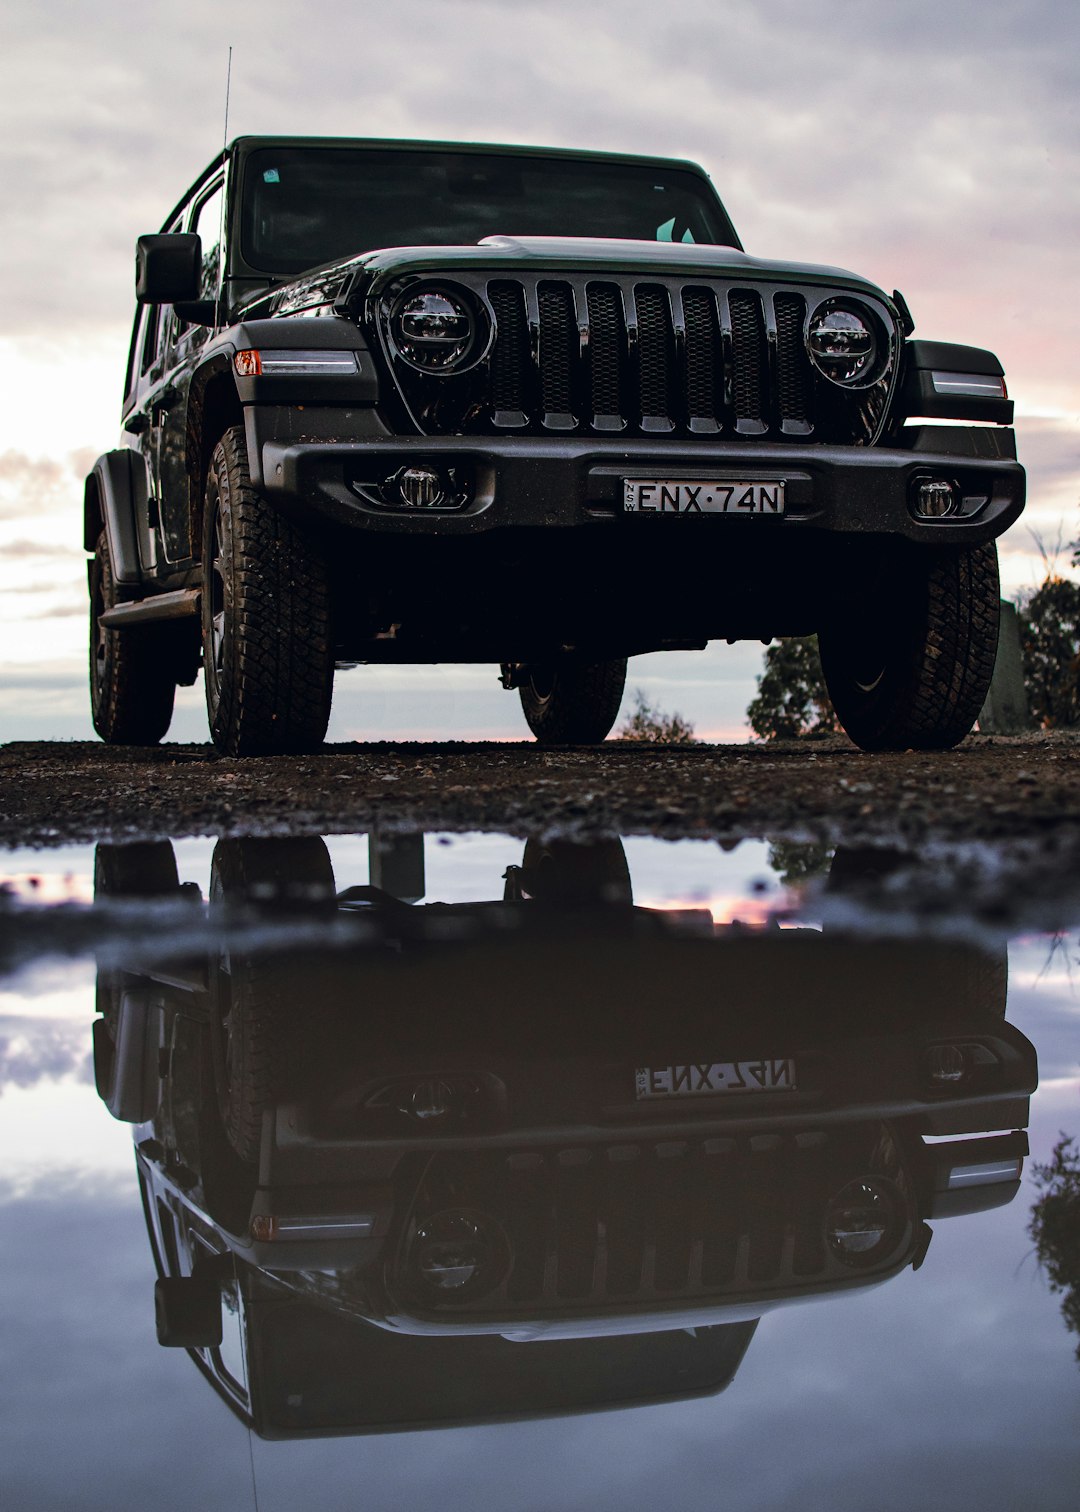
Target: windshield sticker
666, 232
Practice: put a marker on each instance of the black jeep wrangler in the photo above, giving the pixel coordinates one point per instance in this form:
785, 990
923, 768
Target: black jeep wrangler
419, 402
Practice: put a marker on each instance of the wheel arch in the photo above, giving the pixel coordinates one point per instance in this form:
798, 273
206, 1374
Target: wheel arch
109, 505
213, 408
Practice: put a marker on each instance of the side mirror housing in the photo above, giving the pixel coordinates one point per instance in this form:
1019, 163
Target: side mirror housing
198, 312
168, 269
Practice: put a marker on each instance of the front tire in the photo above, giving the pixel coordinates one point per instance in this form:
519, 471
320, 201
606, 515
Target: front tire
132, 671
908, 661
250, 1005
267, 645
573, 702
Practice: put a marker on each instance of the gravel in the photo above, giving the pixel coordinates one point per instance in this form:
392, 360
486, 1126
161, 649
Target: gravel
998, 789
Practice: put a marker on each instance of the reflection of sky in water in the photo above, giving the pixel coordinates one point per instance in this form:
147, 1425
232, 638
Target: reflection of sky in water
458, 868
954, 1386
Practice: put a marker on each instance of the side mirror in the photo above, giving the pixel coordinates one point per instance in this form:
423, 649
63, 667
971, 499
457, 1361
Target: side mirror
168, 269
187, 1312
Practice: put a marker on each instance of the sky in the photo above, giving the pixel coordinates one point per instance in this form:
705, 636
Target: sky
933, 148
838, 1403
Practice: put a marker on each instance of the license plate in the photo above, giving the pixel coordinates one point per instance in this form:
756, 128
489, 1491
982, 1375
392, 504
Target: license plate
718, 496
715, 1077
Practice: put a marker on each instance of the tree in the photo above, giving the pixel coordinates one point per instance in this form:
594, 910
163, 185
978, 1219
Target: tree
1050, 641
1055, 1227
648, 723
798, 861
792, 699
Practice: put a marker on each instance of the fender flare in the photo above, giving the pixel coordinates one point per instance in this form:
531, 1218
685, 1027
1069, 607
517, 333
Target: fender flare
109, 505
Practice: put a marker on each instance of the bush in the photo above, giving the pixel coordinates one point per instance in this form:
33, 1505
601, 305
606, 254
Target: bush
1050, 641
792, 699
648, 723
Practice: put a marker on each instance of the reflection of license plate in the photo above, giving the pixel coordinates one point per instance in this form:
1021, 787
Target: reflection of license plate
721, 496
715, 1076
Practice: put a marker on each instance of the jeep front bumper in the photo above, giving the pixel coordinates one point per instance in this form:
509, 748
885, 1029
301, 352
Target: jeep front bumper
550, 482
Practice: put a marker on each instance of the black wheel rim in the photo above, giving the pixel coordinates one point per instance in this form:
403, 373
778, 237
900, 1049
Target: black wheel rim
869, 663
542, 681
99, 639
215, 590
227, 1045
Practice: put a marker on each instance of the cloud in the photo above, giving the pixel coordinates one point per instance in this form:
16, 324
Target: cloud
54, 587
31, 1051
70, 610
24, 548
42, 678
1050, 450
31, 486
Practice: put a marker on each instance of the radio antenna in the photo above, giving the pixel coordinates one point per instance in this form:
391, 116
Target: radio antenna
221, 216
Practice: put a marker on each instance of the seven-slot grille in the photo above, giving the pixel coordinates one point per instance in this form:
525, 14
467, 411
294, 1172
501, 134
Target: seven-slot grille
656, 1222
600, 355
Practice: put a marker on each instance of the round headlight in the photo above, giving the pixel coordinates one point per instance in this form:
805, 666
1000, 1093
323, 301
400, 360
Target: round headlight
843, 343
433, 331
859, 1222
457, 1254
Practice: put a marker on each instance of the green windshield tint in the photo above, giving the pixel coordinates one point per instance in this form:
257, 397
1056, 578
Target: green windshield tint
304, 206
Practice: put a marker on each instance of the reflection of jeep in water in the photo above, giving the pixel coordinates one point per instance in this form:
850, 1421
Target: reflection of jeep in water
416, 402
538, 1154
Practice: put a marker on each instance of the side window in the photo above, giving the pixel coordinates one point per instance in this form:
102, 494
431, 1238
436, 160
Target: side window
207, 222
138, 333
159, 335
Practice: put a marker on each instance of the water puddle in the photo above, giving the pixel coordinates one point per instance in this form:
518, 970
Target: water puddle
637, 1164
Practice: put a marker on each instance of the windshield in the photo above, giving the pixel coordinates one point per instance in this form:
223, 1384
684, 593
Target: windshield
303, 206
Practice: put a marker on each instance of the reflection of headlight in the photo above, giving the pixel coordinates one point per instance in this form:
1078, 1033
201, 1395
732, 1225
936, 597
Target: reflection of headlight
457, 1255
843, 343
433, 330
860, 1222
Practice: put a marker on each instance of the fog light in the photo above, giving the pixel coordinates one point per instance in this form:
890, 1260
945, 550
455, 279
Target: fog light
949, 1065
432, 1101
934, 499
946, 1065
421, 488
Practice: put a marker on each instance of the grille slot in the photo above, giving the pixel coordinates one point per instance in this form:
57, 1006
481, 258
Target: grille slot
607, 337
792, 371
655, 356
558, 340
510, 357
748, 358
704, 402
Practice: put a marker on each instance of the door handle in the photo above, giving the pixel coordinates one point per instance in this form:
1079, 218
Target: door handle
136, 424
162, 400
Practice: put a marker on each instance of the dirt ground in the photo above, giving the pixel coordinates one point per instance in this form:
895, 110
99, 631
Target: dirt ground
991, 788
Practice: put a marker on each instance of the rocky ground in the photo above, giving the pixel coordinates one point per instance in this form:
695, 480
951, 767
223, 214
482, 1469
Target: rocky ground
991, 788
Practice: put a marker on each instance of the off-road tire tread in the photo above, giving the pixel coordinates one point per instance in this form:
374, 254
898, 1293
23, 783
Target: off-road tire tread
583, 705
261, 999
943, 672
134, 705
277, 676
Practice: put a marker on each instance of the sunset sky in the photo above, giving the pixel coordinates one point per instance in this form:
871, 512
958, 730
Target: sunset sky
932, 147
